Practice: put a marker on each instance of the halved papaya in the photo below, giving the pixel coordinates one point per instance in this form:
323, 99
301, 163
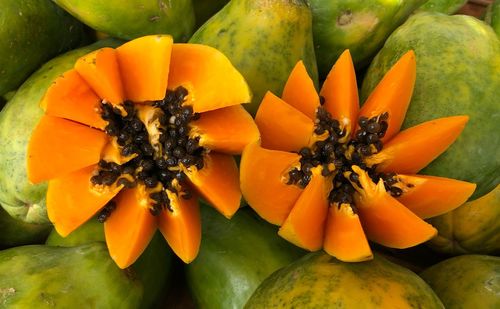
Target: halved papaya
338, 179
168, 119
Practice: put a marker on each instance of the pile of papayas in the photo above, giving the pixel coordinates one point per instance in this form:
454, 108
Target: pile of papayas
249, 154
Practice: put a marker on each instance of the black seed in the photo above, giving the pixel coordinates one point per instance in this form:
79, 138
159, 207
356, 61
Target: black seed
179, 152
372, 138
128, 170
199, 163
111, 129
354, 177
147, 149
96, 179
147, 165
362, 121
373, 127
365, 150
161, 163
151, 182
396, 192
181, 93
125, 182
136, 125
170, 162
108, 178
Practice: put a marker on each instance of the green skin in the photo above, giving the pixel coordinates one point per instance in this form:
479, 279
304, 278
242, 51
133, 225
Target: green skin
16, 233
134, 18
153, 267
264, 40
32, 32
466, 281
495, 16
458, 60
204, 9
235, 257
443, 6
39, 276
358, 25
18, 118
319, 281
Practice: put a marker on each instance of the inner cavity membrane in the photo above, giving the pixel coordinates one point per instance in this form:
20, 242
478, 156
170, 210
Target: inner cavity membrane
153, 140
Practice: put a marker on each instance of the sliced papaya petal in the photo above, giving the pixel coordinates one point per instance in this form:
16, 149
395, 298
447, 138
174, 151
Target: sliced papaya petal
340, 91
344, 236
130, 226
144, 64
430, 196
218, 182
101, 71
71, 98
263, 177
392, 95
226, 130
208, 75
281, 126
72, 199
305, 224
59, 146
181, 227
385, 220
414, 148
299, 91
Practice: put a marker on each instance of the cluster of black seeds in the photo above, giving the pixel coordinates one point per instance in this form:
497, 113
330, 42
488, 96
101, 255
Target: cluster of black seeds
336, 155
106, 211
149, 166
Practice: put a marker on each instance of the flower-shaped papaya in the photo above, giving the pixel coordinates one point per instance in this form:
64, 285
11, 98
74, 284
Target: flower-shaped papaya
334, 175
135, 134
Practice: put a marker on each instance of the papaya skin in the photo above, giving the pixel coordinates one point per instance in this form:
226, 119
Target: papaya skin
18, 118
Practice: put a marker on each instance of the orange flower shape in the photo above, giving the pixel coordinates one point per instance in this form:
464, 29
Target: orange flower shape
333, 175
135, 134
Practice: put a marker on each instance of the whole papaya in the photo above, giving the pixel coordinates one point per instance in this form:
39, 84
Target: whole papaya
18, 118
32, 32
495, 16
15, 232
134, 18
443, 6
40, 276
458, 65
264, 39
235, 257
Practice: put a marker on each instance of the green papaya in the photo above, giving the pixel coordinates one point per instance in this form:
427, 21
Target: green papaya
235, 257
153, 268
32, 32
358, 25
466, 281
319, 280
134, 18
16, 233
204, 9
495, 16
443, 6
40, 276
18, 118
458, 65
264, 40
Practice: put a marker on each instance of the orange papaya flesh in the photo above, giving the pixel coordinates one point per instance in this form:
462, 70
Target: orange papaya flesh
59, 146
226, 130
385, 220
305, 224
393, 94
430, 196
263, 180
100, 69
293, 130
218, 182
210, 78
130, 227
71, 98
299, 91
340, 93
181, 226
344, 235
72, 200
414, 148
144, 64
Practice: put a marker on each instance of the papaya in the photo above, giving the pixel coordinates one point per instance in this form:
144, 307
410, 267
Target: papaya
46, 277
442, 6
357, 25
452, 79
16, 233
228, 269
335, 176
32, 32
132, 19
495, 16
466, 281
153, 269
321, 281
281, 35
20, 198
203, 10
137, 134
474, 227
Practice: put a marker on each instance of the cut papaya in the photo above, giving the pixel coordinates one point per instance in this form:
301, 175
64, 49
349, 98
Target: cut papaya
299, 91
